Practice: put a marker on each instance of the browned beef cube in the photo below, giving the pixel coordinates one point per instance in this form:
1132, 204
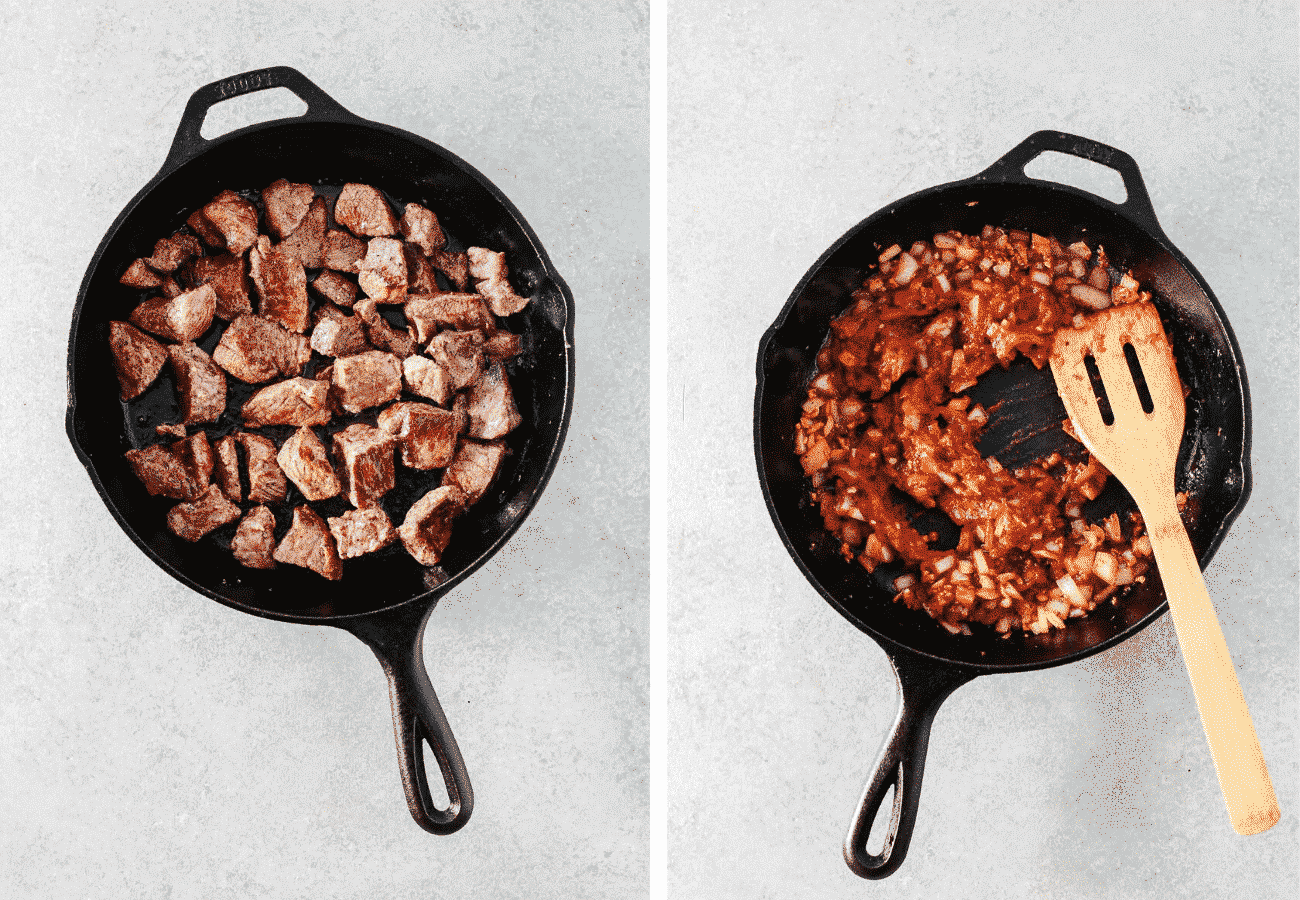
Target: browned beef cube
426, 378
235, 218
183, 318
361, 531
196, 453
209, 233
286, 206
363, 210
306, 463
367, 379
254, 539
454, 265
343, 336
176, 431
491, 405
426, 434
171, 288
366, 467
420, 226
382, 335
474, 467
226, 470
503, 345
335, 288
138, 275
307, 243
281, 285
420, 277
342, 251
191, 521
463, 312
460, 353
382, 274
200, 384
229, 279
309, 544
488, 269
266, 483
163, 473
294, 401
426, 530
137, 358
254, 350
169, 253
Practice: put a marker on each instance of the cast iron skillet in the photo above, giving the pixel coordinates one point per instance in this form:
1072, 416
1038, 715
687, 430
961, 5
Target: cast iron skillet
384, 599
1213, 464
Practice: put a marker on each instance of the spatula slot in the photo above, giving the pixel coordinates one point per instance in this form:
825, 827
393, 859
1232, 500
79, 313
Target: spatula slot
1098, 389
1139, 380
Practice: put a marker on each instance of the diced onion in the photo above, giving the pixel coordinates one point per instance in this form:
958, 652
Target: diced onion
903, 582
1041, 277
1071, 590
1089, 296
945, 564
907, 267
891, 253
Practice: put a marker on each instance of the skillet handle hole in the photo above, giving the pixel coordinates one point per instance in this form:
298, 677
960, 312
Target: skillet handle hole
881, 825
250, 109
433, 777
1062, 168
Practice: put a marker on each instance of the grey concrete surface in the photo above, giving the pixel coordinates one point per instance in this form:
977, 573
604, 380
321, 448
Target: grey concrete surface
154, 743
789, 123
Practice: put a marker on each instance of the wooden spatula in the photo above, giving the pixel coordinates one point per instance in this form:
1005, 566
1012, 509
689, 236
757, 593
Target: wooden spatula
1139, 446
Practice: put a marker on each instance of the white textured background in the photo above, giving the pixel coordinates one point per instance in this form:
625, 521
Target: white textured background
788, 124
154, 743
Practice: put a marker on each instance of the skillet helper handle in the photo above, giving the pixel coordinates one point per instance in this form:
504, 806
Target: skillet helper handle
189, 143
922, 687
1234, 747
1011, 167
398, 643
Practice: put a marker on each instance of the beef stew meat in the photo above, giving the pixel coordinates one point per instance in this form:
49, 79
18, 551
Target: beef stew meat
392, 367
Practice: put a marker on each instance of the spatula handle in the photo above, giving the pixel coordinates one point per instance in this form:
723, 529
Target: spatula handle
1243, 776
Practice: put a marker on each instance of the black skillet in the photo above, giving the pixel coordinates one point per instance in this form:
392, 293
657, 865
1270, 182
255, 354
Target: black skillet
1213, 463
384, 599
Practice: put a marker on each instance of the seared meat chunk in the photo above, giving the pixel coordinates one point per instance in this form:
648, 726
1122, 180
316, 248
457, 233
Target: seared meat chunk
137, 358
361, 531
382, 274
420, 274
235, 218
474, 467
176, 431
490, 405
503, 345
295, 401
381, 334
191, 521
254, 350
286, 206
306, 463
182, 318
426, 530
460, 353
307, 243
139, 275
254, 539
309, 544
426, 378
226, 273
367, 379
463, 312
266, 483
209, 233
181, 471
365, 456
420, 226
342, 252
363, 210
169, 253
341, 336
281, 285
335, 288
171, 288
488, 269
226, 470
201, 385
196, 454
454, 265
426, 434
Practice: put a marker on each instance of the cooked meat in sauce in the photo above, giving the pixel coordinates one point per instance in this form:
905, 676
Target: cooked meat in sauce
885, 418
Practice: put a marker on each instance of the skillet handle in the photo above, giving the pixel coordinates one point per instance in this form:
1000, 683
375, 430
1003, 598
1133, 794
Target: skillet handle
397, 640
1011, 167
922, 686
188, 143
